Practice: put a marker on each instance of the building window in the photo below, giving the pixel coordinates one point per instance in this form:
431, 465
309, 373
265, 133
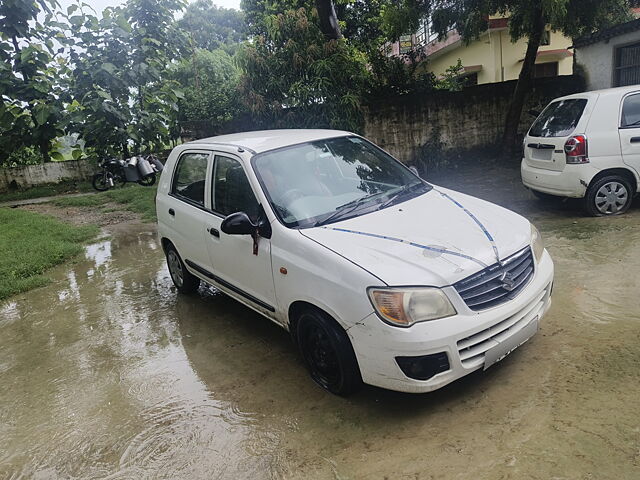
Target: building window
469, 80
425, 33
549, 69
627, 69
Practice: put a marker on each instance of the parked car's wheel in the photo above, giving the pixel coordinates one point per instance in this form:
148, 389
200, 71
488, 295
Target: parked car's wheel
327, 353
611, 195
100, 182
184, 281
148, 181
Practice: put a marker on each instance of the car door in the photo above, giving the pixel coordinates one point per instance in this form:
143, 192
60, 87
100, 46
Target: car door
629, 131
185, 210
235, 264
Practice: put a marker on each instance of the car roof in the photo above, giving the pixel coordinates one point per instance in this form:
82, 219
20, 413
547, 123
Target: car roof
605, 91
264, 140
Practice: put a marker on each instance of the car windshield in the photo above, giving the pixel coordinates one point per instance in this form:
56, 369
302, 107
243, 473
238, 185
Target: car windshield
559, 119
329, 180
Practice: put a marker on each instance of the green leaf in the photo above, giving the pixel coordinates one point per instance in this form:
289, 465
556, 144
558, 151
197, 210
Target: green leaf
41, 113
57, 156
109, 67
104, 95
76, 154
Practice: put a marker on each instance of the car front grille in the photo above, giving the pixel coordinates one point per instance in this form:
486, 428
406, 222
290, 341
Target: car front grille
472, 349
498, 283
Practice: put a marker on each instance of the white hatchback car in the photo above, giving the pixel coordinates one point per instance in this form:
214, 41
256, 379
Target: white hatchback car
587, 145
379, 276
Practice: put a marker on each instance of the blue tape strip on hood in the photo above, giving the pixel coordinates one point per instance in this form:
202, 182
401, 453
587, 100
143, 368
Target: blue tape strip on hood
478, 222
413, 244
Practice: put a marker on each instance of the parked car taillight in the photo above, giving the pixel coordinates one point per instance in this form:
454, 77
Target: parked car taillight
576, 149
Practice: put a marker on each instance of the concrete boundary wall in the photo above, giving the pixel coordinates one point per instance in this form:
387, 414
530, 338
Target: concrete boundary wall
409, 125
51, 172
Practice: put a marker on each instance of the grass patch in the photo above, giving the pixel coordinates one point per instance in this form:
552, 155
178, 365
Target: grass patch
32, 243
47, 190
132, 197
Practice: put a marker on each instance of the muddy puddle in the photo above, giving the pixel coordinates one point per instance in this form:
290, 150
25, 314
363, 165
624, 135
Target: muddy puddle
108, 373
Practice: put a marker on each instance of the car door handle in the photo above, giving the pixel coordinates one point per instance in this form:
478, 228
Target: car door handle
214, 232
635, 140
172, 212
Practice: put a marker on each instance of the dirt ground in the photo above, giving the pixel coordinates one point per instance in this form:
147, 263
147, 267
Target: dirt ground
108, 373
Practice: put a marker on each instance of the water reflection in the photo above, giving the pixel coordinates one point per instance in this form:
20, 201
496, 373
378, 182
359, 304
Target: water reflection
108, 373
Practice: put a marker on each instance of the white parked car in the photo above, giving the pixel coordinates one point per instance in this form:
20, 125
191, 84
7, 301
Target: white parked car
379, 276
587, 146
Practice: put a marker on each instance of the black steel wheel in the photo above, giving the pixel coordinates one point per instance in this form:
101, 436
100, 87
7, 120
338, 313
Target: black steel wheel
184, 281
327, 353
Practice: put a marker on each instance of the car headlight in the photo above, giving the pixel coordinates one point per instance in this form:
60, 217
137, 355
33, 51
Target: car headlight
537, 245
405, 306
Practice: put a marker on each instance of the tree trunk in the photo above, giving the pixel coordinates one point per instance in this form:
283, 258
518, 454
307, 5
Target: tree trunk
44, 150
523, 87
328, 19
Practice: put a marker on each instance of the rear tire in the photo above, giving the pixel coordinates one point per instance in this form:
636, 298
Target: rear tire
99, 182
327, 353
183, 280
148, 181
611, 195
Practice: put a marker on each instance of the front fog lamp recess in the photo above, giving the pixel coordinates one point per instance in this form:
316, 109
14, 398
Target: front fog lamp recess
406, 306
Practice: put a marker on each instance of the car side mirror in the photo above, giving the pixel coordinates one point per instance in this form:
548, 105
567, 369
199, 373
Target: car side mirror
534, 113
238, 224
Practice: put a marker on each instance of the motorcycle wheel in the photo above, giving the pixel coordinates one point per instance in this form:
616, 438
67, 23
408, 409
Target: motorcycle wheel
148, 181
100, 182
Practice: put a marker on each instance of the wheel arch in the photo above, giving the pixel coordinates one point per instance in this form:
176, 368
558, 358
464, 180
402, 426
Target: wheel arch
297, 307
165, 242
627, 173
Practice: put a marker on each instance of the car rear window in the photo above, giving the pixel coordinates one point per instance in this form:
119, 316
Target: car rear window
559, 119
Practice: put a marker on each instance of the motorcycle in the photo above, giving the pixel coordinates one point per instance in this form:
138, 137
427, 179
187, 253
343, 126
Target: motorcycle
115, 172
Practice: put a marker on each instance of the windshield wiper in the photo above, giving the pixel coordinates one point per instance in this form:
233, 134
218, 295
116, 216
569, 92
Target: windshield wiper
401, 193
340, 210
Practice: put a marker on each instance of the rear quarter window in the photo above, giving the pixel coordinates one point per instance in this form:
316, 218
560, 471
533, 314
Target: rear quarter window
559, 119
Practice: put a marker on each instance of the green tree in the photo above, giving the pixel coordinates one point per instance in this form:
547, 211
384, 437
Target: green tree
209, 81
527, 19
295, 76
32, 108
211, 27
101, 79
155, 43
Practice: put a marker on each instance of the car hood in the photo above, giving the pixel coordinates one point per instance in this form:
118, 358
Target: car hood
435, 239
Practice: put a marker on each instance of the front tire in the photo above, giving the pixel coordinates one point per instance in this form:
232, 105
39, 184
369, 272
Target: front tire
183, 280
611, 195
327, 353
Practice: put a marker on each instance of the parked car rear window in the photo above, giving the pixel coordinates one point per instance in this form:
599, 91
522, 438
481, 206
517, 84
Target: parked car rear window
559, 119
631, 111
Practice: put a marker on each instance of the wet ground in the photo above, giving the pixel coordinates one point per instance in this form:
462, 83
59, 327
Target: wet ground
108, 373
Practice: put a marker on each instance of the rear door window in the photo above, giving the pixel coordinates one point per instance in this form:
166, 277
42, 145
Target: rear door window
559, 119
631, 112
189, 178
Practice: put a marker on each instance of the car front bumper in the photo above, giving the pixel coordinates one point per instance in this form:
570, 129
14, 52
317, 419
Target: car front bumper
570, 182
470, 339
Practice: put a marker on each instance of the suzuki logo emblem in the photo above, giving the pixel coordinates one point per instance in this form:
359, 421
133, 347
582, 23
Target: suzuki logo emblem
508, 283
